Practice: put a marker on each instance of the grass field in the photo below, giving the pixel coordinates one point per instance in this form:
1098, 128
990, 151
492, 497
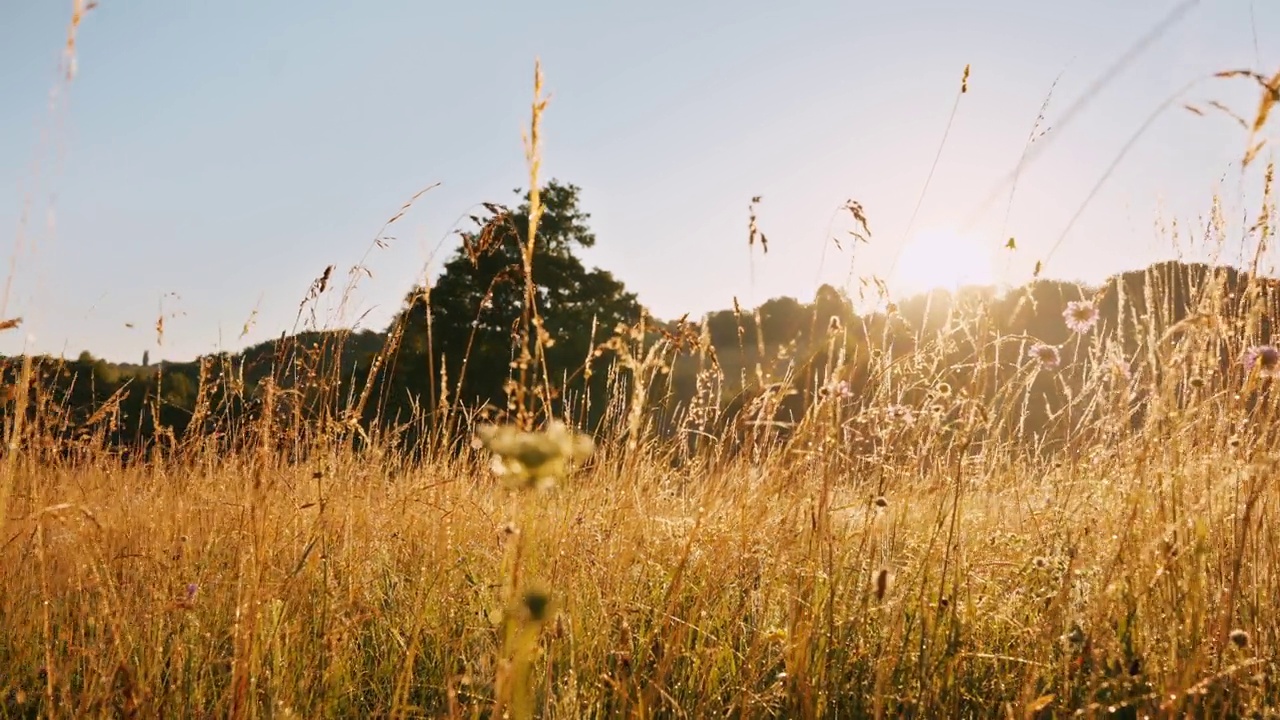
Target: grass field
1139, 579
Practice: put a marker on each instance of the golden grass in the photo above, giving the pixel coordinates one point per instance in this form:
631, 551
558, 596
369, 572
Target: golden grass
750, 590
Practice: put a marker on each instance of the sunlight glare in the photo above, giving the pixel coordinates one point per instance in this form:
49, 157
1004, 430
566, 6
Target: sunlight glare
941, 259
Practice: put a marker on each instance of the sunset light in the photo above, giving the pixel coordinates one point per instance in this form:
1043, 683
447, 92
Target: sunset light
942, 259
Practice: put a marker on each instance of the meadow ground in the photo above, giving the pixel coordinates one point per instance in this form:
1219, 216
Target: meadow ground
1138, 578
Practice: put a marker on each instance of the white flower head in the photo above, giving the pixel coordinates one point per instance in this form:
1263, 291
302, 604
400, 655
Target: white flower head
533, 460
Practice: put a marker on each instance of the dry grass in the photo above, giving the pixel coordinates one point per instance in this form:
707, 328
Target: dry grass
754, 590
928, 562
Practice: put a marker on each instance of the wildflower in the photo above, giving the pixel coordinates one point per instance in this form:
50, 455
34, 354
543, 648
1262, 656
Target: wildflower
1046, 354
1239, 637
1080, 316
533, 460
188, 599
1264, 358
899, 414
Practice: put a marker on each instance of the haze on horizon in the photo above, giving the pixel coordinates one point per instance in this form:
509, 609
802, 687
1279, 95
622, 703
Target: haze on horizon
208, 162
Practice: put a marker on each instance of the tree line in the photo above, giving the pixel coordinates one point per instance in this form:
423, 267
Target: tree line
448, 357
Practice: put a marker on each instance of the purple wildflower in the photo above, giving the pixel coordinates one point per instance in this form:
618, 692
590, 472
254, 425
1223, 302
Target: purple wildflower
1046, 354
900, 414
1080, 316
192, 589
1264, 358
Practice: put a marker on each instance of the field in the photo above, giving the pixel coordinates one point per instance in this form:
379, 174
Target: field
913, 549
930, 569
1137, 578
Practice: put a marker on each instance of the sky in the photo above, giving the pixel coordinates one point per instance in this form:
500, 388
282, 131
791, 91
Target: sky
209, 160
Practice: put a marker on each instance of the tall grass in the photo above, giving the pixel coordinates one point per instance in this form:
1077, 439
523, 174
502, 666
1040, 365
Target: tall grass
913, 552
925, 579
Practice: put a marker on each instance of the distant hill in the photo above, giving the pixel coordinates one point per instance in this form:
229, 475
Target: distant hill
317, 379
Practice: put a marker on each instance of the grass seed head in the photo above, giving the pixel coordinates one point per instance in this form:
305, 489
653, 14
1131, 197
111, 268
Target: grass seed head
537, 602
882, 584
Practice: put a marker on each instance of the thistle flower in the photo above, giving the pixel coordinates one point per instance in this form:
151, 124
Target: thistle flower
1080, 316
899, 414
533, 460
1046, 354
1264, 358
1239, 637
188, 599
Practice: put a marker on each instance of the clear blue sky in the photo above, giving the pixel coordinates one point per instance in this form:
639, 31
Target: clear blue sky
215, 157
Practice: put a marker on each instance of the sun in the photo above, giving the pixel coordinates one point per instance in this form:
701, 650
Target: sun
942, 260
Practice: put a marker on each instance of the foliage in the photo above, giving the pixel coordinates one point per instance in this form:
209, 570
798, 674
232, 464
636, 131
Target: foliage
469, 318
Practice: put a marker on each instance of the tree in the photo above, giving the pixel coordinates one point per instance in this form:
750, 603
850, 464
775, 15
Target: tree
828, 302
782, 320
477, 302
104, 373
